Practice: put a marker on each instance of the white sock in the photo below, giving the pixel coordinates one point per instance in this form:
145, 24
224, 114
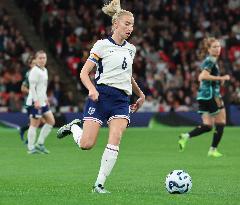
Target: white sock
108, 161
77, 133
46, 129
31, 137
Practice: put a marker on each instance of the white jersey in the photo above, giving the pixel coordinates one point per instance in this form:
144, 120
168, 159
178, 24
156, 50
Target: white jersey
114, 63
38, 82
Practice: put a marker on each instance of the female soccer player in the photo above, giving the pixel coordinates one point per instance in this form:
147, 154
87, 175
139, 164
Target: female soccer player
38, 105
211, 106
109, 98
25, 90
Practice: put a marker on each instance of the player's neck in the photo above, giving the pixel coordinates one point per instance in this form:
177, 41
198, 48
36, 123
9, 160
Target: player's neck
41, 67
118, 40
214, 56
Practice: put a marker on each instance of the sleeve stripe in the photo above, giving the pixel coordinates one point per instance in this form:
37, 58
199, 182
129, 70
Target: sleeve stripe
94, 55
93, 60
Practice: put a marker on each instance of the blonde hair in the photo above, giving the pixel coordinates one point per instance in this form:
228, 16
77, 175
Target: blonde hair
113, 9
205, 45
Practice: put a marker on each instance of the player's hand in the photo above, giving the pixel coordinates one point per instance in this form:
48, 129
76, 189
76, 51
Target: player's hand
47, 102
93, 94
37, 104
226, 77
134, 107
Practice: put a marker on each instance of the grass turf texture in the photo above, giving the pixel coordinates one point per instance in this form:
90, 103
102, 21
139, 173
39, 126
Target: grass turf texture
66, 175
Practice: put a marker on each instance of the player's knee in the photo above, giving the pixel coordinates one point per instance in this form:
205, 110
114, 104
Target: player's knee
86, 145
207, 128
221, 122
50, 122
115, 138
53, 122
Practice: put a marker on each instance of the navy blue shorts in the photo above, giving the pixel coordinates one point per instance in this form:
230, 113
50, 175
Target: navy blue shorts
112, 103
37, 113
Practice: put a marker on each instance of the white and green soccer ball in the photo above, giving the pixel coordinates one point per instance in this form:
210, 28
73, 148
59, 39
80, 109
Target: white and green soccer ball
178, 182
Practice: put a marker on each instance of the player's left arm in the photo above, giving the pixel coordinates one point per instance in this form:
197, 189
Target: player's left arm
137, 91
205, 75
24, 89
46, 96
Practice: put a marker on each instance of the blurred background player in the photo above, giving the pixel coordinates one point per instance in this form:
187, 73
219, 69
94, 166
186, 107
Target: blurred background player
109, 99
211, 105
25, 90
38, 105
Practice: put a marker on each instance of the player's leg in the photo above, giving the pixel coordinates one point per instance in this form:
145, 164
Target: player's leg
32, 132
93, 118
45, 131
110, 154
43, 121
220, 121
85, 137
22, 131
89, 135
117, 104
206, 126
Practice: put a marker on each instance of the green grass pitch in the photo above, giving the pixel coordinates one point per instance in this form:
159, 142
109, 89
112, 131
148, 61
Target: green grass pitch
66, 175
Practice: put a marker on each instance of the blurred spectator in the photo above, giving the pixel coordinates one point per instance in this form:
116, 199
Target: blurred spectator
14, 102
55, 90
68, 99
167, 36
12, 63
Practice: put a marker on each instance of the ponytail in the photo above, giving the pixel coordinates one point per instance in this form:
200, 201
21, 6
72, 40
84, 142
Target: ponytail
114, 10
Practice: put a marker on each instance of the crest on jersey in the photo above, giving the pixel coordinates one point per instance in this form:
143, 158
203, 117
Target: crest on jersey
91, 110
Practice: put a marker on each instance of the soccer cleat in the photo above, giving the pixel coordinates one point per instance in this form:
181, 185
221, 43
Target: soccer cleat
100, 189
182, 142
66, 129
214, 153
33, 151
41, 148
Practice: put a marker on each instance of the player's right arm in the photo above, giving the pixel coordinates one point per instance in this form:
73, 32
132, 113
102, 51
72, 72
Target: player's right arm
95, 54
84, 76
24, 89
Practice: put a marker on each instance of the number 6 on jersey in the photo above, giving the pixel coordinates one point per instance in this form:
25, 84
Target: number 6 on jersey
124, 64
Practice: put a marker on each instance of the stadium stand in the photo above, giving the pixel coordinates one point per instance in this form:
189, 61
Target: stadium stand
167, 36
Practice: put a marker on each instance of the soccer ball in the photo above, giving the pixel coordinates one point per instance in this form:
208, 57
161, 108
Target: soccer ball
178, 182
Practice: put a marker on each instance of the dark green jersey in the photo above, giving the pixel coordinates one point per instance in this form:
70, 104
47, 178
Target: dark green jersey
208, 88
26, 81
